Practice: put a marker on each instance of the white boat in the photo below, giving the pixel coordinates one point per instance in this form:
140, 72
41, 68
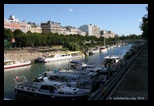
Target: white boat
8, 63
96, 50
111, 63
75, 78
55, 57
103, 49
80, 65
112, 59
48, 90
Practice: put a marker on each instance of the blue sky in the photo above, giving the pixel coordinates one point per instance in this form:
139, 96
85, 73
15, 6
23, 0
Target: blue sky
119, 18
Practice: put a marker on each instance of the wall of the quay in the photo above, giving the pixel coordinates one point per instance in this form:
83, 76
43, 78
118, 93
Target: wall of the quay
22, 56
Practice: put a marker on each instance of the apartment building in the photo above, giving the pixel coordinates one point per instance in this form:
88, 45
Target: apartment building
12, 23
107, 34
54, 27
32, 27
91, 30
72, 30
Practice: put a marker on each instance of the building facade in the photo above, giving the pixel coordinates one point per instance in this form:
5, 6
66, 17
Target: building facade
107, 34
32, 27
12, 23
91, 30
54, 27
72, 30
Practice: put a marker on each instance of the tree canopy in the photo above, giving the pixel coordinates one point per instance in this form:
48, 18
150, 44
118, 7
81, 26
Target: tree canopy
144, 26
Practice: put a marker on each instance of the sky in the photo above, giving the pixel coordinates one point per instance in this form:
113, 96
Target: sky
122, 19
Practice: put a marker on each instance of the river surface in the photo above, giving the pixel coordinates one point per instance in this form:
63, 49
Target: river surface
37, 68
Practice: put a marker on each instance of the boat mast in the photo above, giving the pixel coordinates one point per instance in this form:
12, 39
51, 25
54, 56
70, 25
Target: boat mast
104, 41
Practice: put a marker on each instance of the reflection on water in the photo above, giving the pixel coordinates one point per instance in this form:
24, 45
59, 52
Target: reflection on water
37, 68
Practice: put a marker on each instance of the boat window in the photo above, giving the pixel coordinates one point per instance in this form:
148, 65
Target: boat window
28, 88
22, 87
75, 92
55, 88
45, 87
52, 89
61, 92
68, 93
33, 89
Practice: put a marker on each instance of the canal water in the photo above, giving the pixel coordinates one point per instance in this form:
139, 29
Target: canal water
37, 68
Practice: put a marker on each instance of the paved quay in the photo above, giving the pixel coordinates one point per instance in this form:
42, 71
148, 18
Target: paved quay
134, 85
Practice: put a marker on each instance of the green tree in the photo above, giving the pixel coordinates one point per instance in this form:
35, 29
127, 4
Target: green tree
8, 34
29, 32
17, 32
73, 46
144, 26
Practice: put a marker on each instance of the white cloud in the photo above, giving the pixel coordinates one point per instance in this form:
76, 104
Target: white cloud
70, 10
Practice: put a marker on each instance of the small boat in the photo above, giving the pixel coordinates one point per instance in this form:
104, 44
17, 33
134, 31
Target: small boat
39, 60
47, 90
93, 51
103, 49
111, 63
55, 57
75, 78
8, 63
112, 59
80, 65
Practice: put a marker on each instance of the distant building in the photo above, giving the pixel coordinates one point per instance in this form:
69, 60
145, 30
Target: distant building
91, 30
12, 23
54, 27
73, 30
32, 27
107, 34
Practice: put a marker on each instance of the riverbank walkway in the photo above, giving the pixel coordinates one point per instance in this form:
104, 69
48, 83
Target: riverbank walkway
133, 85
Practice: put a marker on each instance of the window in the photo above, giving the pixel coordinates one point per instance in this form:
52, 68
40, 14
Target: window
61, 92
44, 87
51, 89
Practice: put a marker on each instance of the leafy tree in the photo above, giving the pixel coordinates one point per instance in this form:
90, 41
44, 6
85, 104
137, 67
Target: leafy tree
17, 32
8, 34
38, 39
144, 26
73, 46
29, 32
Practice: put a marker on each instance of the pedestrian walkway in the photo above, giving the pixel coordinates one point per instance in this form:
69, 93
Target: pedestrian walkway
134, 86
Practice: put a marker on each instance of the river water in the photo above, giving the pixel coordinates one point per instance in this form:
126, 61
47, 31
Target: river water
37, 68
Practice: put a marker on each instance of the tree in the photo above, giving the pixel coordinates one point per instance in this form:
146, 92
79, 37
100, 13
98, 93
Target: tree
17, 32
144, 26
8, 34
29, 32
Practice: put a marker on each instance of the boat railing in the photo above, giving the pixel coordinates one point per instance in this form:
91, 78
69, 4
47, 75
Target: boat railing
20, 79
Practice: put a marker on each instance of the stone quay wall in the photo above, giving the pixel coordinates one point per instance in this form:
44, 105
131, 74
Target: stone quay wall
22, 56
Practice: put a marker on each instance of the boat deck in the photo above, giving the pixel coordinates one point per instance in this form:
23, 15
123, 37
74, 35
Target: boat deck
29, 84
